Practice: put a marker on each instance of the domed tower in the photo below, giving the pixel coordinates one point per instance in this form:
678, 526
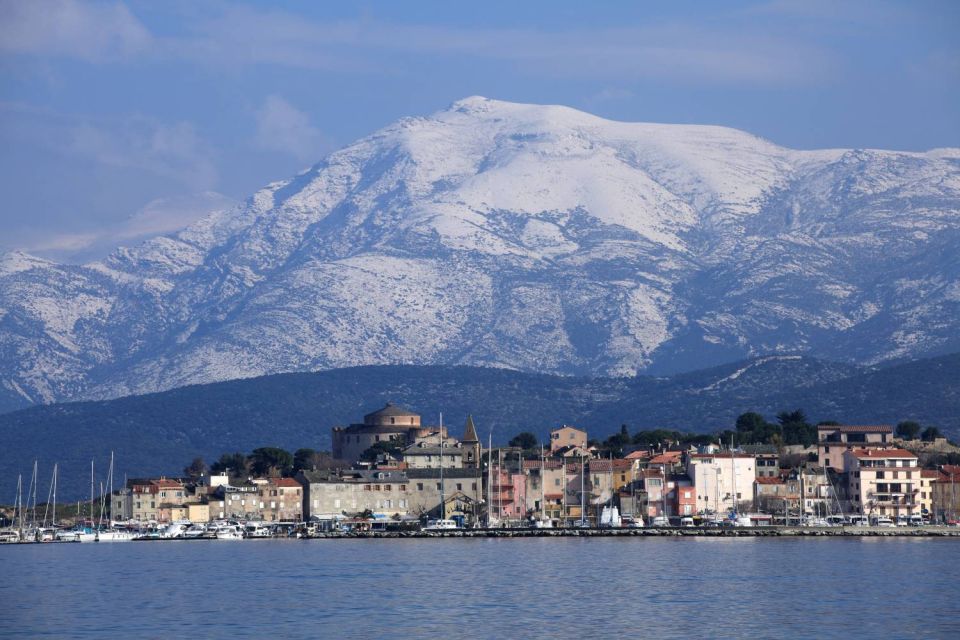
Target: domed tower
392, 416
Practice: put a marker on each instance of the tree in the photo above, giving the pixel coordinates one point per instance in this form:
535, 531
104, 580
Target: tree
930, 434
908, 430
271, 461
389, 447
796, 429
310, 460
196, 468
525, 440
656, 437
752, 428
234, 464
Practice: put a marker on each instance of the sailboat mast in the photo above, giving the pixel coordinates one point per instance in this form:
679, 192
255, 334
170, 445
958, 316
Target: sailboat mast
19, 506
563, 498
110, 490
543, 495
54, 518
489, 476
443, 506
499, 483
91, 493
34, 481
583, 495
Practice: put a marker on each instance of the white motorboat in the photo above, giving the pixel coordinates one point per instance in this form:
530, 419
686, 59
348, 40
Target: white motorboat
228, 532
174, 530
256, 530
77, 535
440, 525
195, 531
116, 535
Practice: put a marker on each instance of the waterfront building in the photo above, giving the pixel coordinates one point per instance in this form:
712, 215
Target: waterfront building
723, 480
235, 501
281, 499
883, 482
156, 499
834, 441
946, 494
387, 493
928, 477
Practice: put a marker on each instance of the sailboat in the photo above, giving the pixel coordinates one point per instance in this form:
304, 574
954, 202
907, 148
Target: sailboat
112, 534
81, 533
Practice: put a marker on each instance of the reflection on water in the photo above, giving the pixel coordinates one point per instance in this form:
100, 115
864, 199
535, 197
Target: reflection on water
565, 587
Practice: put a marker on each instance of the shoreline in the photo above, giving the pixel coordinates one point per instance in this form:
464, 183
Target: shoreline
659, 532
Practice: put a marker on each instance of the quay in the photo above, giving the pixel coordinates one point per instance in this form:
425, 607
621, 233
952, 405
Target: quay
708, 532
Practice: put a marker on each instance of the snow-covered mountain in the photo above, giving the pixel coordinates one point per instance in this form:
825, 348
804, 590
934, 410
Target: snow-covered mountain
531, 237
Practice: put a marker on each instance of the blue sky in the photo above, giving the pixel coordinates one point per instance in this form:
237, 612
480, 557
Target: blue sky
119, 119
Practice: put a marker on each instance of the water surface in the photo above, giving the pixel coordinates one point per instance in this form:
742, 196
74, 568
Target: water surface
485, 588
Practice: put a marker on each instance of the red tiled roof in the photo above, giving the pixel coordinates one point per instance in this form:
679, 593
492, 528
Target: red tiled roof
285, 482
164, 483
599, 465
882, 453
929, 473
770, 481
725, 454
669, 457
547, 464
637, 455
857, 428
622, 464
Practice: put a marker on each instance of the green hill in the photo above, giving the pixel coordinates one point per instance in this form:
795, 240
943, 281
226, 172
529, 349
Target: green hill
160, 433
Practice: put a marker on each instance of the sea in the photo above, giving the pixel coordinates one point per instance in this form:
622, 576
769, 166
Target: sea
689, 587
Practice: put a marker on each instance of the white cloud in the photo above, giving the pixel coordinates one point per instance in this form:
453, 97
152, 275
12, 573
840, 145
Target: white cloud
95, 31
173, 151
284, 128
737, 50
157, 217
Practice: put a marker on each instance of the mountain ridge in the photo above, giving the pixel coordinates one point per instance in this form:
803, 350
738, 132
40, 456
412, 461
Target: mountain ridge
527, 237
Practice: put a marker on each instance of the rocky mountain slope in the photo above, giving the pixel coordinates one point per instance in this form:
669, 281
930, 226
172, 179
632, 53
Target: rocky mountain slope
535, 238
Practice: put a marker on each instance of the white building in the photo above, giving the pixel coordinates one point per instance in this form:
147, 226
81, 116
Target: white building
720, 477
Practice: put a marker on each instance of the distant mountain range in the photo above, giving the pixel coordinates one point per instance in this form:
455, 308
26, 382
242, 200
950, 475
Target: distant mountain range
527, 237
161, 433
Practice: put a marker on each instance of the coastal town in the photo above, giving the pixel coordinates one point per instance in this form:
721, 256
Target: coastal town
394, 473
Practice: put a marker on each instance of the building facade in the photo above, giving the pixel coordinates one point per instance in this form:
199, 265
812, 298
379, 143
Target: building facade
834, 441
883, 482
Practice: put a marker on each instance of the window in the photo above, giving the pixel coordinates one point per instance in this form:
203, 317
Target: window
474, 486
387, 487
880, 475
419, 486
438, 486
459, 487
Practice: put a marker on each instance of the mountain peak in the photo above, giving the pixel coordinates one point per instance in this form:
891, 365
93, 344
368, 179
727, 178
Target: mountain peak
530, 237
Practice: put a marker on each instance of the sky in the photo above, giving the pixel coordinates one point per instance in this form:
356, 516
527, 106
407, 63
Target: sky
120, 120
